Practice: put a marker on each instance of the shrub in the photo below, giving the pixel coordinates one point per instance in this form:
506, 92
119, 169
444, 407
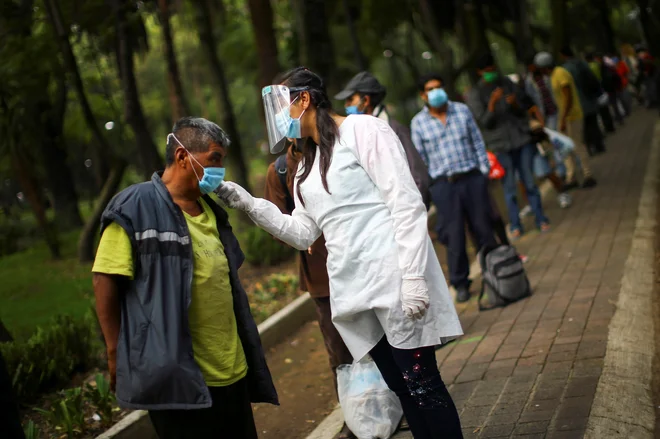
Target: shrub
272, 295
50, 356
67, 414
261, 249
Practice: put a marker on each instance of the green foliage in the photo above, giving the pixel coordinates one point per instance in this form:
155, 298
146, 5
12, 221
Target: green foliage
272, 295
35, 288
51, 355
68, 413
31, 430
261, 249
101, 397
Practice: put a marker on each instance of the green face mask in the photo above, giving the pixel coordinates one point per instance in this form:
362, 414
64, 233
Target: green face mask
490, 76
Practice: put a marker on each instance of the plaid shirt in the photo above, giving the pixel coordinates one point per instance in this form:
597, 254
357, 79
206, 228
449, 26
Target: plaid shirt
449, 149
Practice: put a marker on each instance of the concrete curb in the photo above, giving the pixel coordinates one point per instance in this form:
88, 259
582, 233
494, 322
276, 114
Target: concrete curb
276, 328
623, 405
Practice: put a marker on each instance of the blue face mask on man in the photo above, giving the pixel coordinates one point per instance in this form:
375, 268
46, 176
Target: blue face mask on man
288, 126
354, 109
437, 97
212, 177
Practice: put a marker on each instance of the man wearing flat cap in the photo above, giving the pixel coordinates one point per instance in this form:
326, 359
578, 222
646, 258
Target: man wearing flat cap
364, 95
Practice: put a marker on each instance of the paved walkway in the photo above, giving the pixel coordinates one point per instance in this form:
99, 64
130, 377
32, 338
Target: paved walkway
531, 369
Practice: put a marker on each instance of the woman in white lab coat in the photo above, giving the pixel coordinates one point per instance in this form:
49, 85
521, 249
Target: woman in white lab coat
388, 295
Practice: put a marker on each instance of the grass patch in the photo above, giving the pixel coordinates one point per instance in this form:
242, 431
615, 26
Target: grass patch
36, 288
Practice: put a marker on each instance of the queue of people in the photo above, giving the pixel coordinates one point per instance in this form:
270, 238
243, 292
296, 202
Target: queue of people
351, 193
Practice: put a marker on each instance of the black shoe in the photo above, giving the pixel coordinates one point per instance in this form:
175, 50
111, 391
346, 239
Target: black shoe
462, 294
589, 182
570, 186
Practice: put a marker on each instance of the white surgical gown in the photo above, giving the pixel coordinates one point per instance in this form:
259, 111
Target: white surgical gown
375, 227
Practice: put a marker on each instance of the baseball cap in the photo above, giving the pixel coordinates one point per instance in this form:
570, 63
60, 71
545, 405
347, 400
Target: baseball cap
363, 82
543, 59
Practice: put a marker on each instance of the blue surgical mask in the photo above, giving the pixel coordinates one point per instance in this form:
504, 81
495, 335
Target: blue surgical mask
212, 177
286, 125
437, 97
353, 109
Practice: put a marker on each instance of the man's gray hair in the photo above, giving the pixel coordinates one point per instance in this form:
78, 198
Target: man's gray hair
196, 134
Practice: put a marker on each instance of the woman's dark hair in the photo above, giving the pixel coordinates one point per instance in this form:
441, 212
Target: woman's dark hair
305, 79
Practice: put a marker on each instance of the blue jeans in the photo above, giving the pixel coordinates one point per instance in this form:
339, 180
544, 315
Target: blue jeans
520, 161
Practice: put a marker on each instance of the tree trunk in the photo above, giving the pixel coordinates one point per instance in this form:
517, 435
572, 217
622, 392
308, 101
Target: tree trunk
360, 60
178, 102
261, 14
608, 33
440, 47
649, 27
559, 32
235, 156
87, 239
5, 335
524, 38
148, 156
316, 49
34, 195
54, 158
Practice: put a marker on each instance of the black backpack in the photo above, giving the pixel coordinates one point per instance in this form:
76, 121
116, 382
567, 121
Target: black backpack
503, 276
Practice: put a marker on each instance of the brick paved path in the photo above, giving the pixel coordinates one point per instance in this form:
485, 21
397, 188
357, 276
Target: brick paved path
530, 370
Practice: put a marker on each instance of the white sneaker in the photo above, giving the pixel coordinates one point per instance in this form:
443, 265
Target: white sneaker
525, 211
565, 200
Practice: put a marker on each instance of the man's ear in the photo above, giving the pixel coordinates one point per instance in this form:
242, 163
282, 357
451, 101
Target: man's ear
181, 157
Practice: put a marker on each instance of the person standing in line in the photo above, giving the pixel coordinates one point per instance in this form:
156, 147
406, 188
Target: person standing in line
588, 91
180, 337
388, 295
608, 82
447, 138
501, 110
364, 94
570, 118
313, 273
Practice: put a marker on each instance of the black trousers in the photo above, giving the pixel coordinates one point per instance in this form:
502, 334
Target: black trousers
593, 137
413, 375
230, 417
10, 420
465, 200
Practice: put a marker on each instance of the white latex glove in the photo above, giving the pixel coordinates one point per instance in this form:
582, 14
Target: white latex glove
235, 196
414, 297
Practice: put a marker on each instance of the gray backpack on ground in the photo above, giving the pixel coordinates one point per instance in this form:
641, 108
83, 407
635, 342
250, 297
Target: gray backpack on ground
503, 276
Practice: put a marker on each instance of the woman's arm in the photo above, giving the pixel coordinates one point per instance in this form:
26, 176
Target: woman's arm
381, 154
299, 229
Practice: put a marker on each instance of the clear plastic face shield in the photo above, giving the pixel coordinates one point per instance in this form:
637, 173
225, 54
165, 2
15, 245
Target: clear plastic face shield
279, 123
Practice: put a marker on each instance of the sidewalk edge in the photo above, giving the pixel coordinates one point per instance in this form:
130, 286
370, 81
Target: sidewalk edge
623, 404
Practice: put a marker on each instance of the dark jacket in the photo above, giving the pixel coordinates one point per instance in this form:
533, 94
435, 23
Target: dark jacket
417, 166
588, 87
156, 369
507, 127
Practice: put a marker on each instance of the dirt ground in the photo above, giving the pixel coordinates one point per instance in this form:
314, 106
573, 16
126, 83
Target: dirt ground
304, 382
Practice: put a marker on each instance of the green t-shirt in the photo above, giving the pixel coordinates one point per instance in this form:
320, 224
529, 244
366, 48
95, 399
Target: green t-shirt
217, 348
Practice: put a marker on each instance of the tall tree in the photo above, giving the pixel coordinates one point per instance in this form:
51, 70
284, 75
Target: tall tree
55, 158
235, 157
316, 48
360, 60
261, 14
178, 102
524, 38
148, 156
603, 9
559, 36
649, 18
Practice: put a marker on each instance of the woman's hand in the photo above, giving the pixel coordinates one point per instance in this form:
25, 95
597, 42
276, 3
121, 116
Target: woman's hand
414, 297
235, 196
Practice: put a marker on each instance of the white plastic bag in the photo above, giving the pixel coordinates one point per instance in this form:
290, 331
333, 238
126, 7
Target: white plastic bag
371, 410
562, 143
